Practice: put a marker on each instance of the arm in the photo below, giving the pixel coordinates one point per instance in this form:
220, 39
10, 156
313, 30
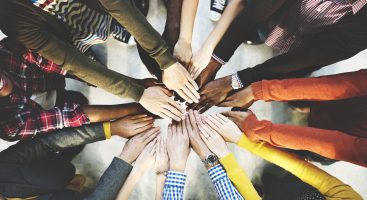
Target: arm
143, 163
126, 13
102, 113
333, 87
328, 143
160, 184
223, 185
239, 177
329, 186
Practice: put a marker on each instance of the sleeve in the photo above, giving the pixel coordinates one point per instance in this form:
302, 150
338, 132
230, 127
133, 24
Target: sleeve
174, 186
328, 185
26, 27
127, 14
111, 181
45, 121
329, 143
334, 87
223, 185
239, 177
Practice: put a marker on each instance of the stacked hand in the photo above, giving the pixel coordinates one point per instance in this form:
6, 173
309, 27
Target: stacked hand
199, 61
237, 117
177, 146
183, 52
242, 99
224, 127
131, 125
161, 159
146, 159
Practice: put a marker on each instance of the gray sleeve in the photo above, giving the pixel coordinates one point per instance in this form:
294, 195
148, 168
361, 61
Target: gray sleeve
111, 181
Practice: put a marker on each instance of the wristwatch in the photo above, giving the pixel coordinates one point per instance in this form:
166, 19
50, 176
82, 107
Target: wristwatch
210, 161
236, 82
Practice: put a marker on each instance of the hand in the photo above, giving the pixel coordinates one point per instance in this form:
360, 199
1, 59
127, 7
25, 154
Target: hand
146, 159
242, 99
237, 117
148, 82
131, 125
214, 93
224, 126
136, 144
209, 73
177, 146
178, 79
157, 101
161, 159
183, 51
214, 141
199, 61
197, 144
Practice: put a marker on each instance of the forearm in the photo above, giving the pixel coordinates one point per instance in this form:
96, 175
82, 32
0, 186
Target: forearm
126, 13
333, 87
239, 178
172, 28
129, 185
160, 180
229, 14
103, 113
189, 7
329, 143
111, 181
328, 185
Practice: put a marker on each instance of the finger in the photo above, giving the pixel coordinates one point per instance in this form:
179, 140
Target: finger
164, 116
169, 132
227, 104
193, 90
201, 104
203, 131
176, 107
142, 119
205, 140
144, 128
190, 93
198, 118
208, 130
194, 84
139, 116
188, 123
218, 119
184, 129
152, 136
174, 128
171, 115
229, 114
197, 73
166, 92
142, 124
184, 96
222, 117
212, 124
205, 108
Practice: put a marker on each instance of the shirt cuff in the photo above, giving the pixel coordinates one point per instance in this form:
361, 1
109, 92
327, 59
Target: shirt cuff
257, 90
107, 129
216, 173
229, 162
237, 81
176, 179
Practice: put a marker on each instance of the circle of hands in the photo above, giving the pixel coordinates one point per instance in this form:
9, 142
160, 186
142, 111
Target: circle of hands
204, 133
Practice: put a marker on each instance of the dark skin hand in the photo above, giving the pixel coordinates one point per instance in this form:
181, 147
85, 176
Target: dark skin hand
214, 93
243, 98
207, 75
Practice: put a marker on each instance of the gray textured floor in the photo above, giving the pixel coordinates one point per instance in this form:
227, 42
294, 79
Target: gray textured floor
96, 157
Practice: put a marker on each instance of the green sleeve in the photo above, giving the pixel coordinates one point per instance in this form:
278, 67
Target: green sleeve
126, 13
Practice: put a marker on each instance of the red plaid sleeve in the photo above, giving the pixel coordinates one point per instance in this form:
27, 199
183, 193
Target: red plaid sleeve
45, 121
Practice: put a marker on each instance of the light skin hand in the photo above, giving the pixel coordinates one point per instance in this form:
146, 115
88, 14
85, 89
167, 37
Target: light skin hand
183, 51
178, 79
161, 159
237, 117
199, 61
146, 159
131, 125
177, 146
241, 99
214, 141
197, 144
224, 126
136, 144
157, 101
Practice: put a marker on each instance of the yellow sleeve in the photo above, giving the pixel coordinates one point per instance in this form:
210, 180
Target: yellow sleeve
107, 130
239, 177
331, 187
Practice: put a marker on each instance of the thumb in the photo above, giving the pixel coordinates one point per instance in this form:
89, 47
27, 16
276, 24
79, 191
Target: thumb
228, 114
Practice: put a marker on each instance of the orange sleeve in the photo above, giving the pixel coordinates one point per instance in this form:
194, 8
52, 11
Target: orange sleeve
328, 143
333, 87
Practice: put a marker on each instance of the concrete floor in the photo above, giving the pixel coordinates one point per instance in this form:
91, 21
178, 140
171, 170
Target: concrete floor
96, 157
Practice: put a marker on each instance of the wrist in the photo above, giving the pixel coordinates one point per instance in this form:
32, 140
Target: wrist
124, 156
223, 153
227, 83
185, 40
177, 166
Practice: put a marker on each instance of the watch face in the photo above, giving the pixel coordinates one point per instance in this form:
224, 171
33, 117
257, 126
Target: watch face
212, 159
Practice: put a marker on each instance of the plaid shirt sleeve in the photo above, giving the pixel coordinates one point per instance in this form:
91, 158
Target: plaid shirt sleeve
224, 187
44, 121
174, 186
